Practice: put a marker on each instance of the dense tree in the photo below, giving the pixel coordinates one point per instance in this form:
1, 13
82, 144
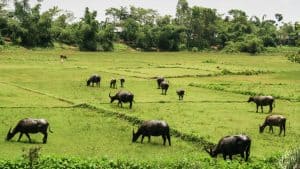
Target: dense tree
192, 28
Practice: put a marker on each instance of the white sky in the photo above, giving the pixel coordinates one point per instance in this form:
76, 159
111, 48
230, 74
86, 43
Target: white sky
289, 8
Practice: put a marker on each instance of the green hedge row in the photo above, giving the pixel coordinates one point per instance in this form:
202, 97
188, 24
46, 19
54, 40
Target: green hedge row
51, 162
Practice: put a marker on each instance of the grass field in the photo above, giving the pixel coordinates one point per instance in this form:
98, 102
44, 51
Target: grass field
36, 84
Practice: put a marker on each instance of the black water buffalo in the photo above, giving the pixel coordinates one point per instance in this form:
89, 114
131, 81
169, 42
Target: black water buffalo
159, 80
232, 145
153, 128
263, 101
274, 120
94, 79
29, 125
180, 93
122, 96
122, 81
63, 57
113, 82
164, 85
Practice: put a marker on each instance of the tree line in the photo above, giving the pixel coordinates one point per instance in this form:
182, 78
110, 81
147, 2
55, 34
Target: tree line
193, 28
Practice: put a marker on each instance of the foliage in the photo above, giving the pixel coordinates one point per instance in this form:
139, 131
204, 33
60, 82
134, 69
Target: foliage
290, 159
294, 57
145, 29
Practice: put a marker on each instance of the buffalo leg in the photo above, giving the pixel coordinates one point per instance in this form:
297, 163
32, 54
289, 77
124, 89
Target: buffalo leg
142, 138
242, 154
130, 106
45, 138
164, 138
230, 156
224, 156
283, 126
20, 136
256, 108
149, 138
28, 137
262, 110
280, 130
169, 139
271, 108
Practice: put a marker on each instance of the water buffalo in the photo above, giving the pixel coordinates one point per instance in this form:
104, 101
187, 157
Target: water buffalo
164, 85
232, 145
274, 120
94, 79
29, 125
263, 101
122, 96
113, 82
159, 80
153, 128
63, 57
122, 81
180, 93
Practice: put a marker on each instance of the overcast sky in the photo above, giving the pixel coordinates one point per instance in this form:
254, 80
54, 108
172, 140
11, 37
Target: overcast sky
289, 8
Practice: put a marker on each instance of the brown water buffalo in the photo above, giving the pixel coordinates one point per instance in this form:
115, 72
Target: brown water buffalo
29, 125
122, 96
273, 120
263, 101
180, 93
153, 128
232, 145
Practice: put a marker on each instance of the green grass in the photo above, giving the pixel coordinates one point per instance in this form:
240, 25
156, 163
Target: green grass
36, 84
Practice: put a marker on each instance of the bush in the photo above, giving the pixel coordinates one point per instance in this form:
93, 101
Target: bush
232, 47
194, 49
252, 44
294, 57
1, 40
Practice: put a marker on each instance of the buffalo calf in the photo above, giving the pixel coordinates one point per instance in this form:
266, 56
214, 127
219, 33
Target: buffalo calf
180, 93
274, 120
113, 82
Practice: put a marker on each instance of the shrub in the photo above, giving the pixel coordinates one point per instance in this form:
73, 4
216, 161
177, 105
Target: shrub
294, 57
194, 49
252, 44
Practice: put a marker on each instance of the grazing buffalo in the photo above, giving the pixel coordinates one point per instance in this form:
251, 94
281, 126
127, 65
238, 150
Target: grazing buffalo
274, 120
232, 145
122, 81
113, 82
94, 79
122, 96
180, 93
28, 125
153, 128
263, 101
159, 80
164, 85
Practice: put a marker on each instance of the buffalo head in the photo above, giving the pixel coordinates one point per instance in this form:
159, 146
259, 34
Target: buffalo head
9, 135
